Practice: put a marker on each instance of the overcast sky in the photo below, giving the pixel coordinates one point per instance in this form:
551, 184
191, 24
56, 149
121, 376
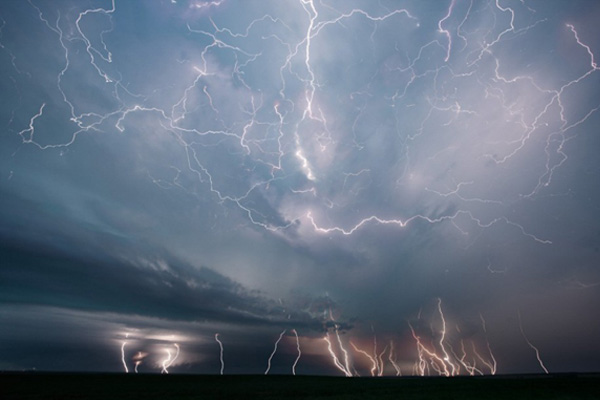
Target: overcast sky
347, 187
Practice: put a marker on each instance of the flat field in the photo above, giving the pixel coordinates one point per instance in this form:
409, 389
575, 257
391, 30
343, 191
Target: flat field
182, 387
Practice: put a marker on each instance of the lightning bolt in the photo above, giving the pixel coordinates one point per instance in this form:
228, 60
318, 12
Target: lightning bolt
492, 365
167, 362
381, 363
471, 369
439, 354
404, 223
138, 358
273, 353
123, 354
393, 360
334, 357
537, 352
446, 357
299, 352
585, 46
446, 32
344, 351
220, 353
373, 361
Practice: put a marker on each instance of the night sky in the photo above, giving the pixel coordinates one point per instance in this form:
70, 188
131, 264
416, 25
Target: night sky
311, 187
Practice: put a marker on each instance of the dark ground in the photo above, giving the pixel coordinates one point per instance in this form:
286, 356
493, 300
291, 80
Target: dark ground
182, 387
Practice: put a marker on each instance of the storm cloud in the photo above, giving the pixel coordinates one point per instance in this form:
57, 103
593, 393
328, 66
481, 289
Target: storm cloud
383, 177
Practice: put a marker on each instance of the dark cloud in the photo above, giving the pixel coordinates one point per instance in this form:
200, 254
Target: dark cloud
146, 285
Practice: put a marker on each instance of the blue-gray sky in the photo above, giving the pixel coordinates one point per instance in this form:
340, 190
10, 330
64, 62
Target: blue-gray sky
412, 179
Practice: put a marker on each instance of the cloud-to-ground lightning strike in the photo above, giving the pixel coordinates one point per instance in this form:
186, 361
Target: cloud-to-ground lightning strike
392, 359
334, 357
491, 365
274, 351
471, 369
535, 349
345, 367
138, 358
436, 351
377, 362
439, 363
299, 352
167, 362
442, 338
220, 354
123, 354
371, 359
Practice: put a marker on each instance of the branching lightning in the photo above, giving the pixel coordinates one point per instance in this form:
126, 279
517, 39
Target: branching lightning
392, 359
343, 368
493, 365
436, 353
167, 362
371, 359
288, 133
